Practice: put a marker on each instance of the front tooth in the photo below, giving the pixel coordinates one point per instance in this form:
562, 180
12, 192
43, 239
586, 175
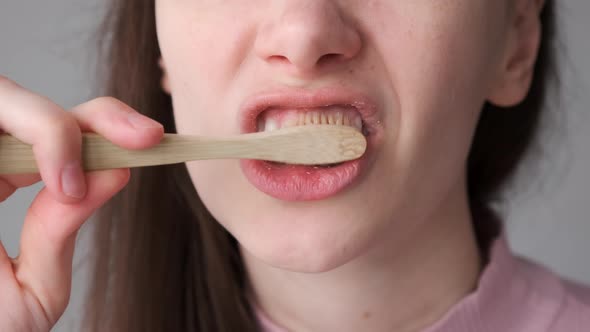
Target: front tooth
301, 121
271, 125
289, 122
323, 119
308, 118
331, 119
346, 121
316, 118
338, 118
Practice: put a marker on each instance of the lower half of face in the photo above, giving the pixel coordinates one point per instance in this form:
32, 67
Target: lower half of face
421, 67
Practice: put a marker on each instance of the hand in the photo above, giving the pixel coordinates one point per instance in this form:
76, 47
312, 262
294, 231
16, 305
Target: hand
35, 286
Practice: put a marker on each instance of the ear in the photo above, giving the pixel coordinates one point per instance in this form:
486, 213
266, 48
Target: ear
165, 82
516, 70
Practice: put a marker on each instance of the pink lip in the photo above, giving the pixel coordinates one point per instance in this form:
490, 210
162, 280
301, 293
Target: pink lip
304, 183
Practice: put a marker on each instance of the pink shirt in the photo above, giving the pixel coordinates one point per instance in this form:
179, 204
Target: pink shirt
514, 295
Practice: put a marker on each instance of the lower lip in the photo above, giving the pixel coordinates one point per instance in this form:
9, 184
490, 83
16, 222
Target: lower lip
301, 183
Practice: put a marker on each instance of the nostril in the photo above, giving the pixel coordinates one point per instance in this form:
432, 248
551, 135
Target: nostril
279, 59
330, 58
324, 60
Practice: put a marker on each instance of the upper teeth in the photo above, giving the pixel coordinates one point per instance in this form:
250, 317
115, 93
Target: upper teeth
268, 125
277, 119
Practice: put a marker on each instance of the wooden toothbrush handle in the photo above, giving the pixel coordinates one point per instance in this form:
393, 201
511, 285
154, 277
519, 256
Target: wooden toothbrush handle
16, 157
309, 145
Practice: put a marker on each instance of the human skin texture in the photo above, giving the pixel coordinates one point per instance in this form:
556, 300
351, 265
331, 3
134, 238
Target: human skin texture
425, 67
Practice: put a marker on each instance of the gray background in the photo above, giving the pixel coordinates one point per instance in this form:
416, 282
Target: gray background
47, 47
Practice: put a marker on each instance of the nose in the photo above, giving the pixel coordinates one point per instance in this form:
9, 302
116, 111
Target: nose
304, 36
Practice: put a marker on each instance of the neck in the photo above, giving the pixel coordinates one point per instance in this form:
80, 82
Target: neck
399, 285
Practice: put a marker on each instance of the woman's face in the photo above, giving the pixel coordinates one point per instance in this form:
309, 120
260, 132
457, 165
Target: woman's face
416, 72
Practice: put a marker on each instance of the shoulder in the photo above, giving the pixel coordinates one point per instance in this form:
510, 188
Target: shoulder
575, 306
564, 303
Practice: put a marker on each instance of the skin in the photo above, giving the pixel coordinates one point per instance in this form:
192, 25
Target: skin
393, 252
35, 286
397, 249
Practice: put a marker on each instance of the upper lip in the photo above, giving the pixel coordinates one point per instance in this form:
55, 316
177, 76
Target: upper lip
307, 99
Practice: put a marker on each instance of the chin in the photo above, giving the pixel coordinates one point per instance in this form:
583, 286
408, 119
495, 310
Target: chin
308, 240
300, 256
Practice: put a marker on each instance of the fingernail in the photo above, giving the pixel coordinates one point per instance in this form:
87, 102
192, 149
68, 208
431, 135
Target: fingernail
73, 182
139, 121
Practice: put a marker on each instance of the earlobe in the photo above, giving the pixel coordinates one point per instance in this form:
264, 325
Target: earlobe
165, 82
517, 69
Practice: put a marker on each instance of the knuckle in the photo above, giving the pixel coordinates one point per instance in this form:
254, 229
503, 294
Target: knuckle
113, 104
61, 124
102, 109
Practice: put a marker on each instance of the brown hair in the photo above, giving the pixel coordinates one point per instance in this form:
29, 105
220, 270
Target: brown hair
494, 158
162, 261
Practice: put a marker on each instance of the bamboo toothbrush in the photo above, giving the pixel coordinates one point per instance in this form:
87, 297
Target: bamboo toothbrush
303, 145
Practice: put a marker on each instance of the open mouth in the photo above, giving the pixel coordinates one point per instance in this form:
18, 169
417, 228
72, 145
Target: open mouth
298, 107
333, 115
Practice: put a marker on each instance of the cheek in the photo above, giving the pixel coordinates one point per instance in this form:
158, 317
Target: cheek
437, 69
440, 66
201, 48
220, 185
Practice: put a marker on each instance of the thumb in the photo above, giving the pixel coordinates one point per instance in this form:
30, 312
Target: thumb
44, 266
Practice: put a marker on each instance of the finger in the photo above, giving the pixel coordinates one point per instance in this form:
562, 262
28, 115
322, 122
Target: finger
118, 122
5, 262
9, 184
6, 189
47, 242
54, 135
